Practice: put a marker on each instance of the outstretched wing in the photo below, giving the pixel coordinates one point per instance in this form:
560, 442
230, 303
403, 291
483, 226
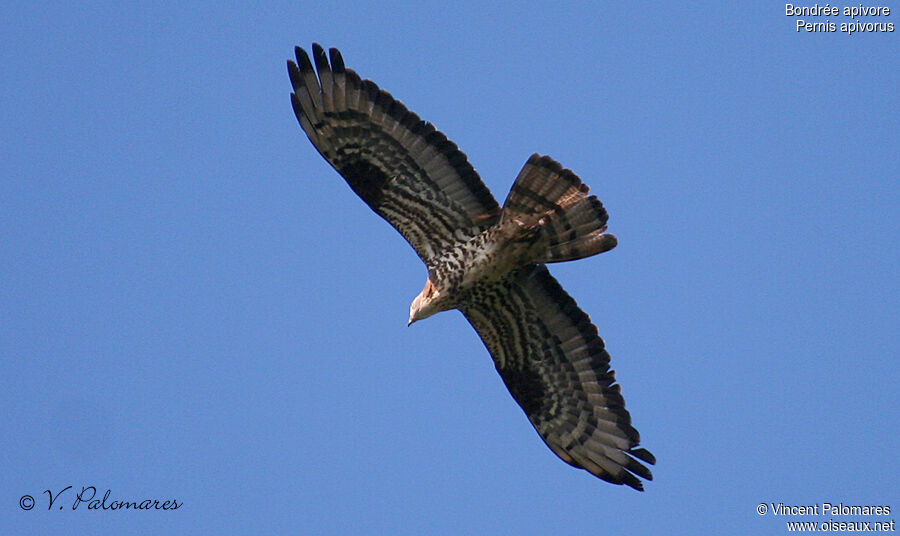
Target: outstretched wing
401, 166
555, 365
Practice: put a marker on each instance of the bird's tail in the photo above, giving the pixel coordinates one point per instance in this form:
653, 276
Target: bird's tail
551, 205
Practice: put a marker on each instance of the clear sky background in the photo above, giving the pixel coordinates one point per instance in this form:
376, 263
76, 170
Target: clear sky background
195, 306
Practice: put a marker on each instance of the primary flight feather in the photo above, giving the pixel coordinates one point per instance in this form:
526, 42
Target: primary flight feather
485, 260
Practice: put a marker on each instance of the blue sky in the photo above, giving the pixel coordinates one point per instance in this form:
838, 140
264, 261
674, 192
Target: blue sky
195, 306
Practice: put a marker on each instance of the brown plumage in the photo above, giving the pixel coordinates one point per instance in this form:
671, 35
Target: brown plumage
485, 261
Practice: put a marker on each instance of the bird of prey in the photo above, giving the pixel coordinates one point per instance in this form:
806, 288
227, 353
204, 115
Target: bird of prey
486, 261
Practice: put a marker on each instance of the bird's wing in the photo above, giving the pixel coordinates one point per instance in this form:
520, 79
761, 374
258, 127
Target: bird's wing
555, 366
402, 167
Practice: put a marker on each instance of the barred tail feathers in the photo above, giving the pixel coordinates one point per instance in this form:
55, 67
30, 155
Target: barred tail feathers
553, 202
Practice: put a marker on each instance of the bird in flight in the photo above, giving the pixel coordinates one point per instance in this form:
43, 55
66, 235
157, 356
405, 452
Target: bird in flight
486, 261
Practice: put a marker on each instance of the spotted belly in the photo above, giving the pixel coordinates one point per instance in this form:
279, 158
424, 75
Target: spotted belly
487, 257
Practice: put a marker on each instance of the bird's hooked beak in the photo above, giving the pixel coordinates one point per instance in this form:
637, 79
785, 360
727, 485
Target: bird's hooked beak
421, 306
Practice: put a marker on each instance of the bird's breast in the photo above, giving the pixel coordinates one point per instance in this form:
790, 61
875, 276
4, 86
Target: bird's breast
485, 257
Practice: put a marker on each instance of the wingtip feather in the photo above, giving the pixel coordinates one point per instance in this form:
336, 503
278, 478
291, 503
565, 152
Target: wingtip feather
294, 74
643, 455
320, 58
337, 61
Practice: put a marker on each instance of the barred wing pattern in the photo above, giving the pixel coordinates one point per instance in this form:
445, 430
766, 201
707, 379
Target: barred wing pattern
402, 167
544, 347
555, 365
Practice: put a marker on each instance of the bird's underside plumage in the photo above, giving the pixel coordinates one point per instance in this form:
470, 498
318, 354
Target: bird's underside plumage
485, 261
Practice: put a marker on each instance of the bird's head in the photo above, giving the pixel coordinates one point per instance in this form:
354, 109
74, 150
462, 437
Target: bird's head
425, 304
